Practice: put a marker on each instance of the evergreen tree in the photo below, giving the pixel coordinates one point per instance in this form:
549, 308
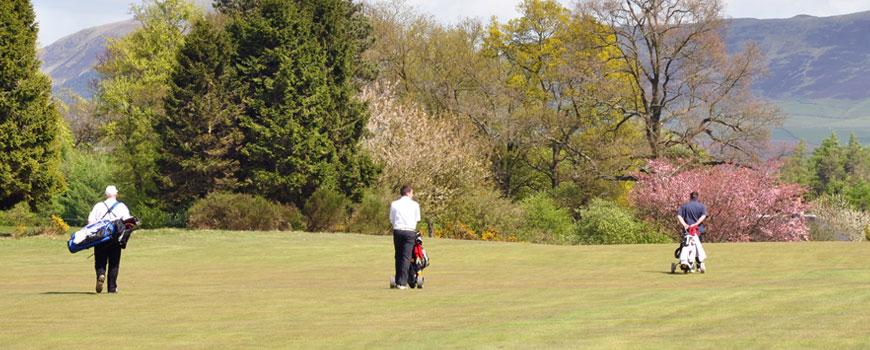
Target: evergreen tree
135, 72
857, 164
795, 168
29, 121
299, 69
199, 132
827, 166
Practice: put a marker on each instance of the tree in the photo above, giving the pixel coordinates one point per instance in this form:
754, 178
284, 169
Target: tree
795, 168
442, 158
555, 70
199, 136
827, 165
687, 89
743, 203
29, 121
135, 73
299, 68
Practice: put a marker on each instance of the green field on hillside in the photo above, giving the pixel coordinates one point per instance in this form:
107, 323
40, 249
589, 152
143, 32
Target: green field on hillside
814, 120
290, 290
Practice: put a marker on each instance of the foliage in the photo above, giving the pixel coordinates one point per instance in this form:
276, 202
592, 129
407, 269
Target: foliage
135, 73
554, 71
298, 70
19, 215
79, 114
743, 204
687, 88
53, 225
833, 169
481, 213
840, 218
371, 215
233, 211
29, 122
89, 174
544, 221
605, 222
439, 157
199, 136
28, 223
326, 210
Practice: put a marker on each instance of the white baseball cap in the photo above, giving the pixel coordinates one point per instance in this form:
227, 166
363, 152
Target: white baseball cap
111, 190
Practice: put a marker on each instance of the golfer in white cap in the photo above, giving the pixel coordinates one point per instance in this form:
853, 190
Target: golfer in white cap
110, 209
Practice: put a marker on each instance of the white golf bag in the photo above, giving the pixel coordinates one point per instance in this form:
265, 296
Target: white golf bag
690, 253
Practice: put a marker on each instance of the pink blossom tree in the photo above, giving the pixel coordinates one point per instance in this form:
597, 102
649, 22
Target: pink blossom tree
744, 204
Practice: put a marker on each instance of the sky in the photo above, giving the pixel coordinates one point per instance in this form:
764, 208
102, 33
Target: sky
58, 18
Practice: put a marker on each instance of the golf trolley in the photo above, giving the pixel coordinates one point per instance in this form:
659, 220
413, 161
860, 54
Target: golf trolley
419, 261
687, 253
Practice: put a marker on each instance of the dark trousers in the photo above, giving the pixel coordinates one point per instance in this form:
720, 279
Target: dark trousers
108, 252
404, 243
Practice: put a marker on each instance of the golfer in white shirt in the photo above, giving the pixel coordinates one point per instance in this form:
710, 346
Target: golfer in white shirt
108, 252
404, 215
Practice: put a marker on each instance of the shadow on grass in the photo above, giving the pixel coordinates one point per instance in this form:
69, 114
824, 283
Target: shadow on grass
669, 273
63, 293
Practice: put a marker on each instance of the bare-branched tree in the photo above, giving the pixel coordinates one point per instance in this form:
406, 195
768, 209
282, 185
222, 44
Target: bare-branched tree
689, 90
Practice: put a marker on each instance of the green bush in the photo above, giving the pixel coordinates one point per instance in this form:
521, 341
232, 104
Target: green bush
28, 223
480, 213
236, 211
87, 174
545, 221
326, 210
371, 215
605, 222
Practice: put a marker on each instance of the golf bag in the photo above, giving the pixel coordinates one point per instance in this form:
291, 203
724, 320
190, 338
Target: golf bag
419, 261
103, 231
690, 252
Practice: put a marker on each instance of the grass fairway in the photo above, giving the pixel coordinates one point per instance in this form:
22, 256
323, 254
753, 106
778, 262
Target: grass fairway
280, 290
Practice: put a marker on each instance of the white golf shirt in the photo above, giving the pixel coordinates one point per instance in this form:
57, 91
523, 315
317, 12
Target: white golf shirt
404, 214
119, 212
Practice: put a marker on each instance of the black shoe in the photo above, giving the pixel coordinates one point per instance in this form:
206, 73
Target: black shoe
100, 280
113, 291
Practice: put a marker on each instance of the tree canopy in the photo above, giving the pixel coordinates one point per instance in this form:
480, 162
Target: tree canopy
29, 121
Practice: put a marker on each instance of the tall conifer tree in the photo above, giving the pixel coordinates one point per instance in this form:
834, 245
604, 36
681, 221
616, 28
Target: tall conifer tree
29, 121
199, 133
299, 68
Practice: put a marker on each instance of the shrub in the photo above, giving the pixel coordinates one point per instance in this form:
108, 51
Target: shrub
19, 215
326, 210
743, 203
440, 156
87, 175
604, 222
54, 225
837, 218
27, 223
236, 211
544, 221
371, 215
480, 213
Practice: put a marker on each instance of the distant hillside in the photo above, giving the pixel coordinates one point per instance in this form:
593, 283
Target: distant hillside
819, 71
70, 60
811, 57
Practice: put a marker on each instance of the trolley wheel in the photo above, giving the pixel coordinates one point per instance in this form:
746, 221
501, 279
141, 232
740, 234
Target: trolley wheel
673, 267
420, 282
392, 282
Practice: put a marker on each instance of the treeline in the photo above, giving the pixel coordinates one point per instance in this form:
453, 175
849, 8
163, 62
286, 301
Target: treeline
309, 114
